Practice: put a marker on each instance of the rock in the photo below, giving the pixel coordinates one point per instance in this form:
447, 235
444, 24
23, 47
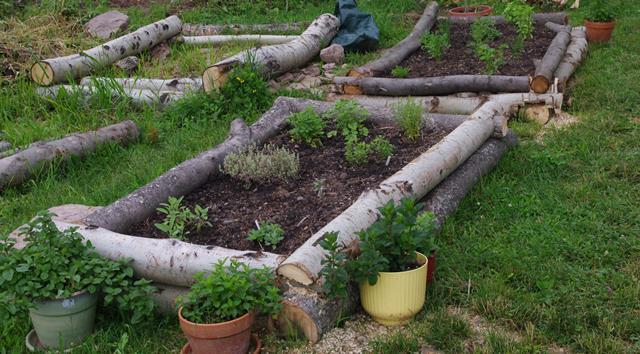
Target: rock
105, 25
332, 54
286, 78
160, 51
128, 64
328, 67
274, 85
311, 70
311, 82
297, 86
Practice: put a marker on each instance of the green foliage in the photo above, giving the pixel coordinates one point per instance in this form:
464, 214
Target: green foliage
336, 277
409, 117
600, 11
231, 290
484, 30
179, 218
492, 57
270, 164
358, 152
395, 344
381, 147
267, 233
517, 46
349, 117
56, 264
245, 94
436, 43
307, 127
519, 14
447, 332
400, 72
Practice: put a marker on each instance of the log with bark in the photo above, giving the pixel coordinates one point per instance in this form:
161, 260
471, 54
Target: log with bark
394, 55
428, 86
543, 76
538, 19
277, 59
18, 167
221, 39
189, 29
575, 53
184, 84
139, 97
57, 70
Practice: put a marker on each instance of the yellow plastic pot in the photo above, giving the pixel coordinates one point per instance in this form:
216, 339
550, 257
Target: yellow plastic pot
397, 296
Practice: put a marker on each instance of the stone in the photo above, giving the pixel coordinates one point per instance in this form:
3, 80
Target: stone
328, 67
128, 64
332, 54
286, 78
107, 24
310, 82
311, 70
274, 85
160, 51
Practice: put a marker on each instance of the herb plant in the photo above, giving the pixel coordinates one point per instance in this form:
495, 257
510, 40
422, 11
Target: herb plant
231, 290
356, 152
381, 147
492, 57
267, 233
600, 11
245, 93
178, 218
400, 72
307, 127
336, 277
436, 43
262, 166
409, 117
484, 30
520, 15
349, 117
56, 264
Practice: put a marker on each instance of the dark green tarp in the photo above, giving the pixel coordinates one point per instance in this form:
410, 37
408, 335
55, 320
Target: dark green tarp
358, 32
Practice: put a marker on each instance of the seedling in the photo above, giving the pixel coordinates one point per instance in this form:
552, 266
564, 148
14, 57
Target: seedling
267, 233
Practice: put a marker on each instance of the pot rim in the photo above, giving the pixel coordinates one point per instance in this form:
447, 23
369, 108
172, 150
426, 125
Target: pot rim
478, 9
418, 256
602, 24
76, 294
213, 325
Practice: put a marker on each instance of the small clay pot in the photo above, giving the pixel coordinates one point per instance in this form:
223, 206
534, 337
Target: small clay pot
599, 32
231, 337
469, 11
431, 267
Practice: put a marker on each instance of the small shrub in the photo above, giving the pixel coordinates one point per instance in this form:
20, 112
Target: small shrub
230, 291
349, 117
492, 57
245, 93
436, 43
179, 218
400, 72
519, 14
267, 233
271, 164
382, 147
333, 270
484, 31
409, 117
356, 152
600, 11
307, 127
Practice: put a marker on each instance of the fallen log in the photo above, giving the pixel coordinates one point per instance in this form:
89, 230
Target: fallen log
189, 29
543, 76
538, 19
394, 55
575, 53
220, 39
184, 84
137, 96
277, 59
57, 70
433, 86
18, 167
557, 27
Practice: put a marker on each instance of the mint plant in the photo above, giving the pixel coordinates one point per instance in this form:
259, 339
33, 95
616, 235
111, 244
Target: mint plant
436, 43
381, 147
349, 117
307, 127
492, 57
483, 30
520, 15
600, 11
336, 277
267, 233
179, 218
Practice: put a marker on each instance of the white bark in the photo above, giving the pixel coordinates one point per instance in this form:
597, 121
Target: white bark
137, 96
184, 84
277, 59
575, 54
415, 179
220, 39
56, 70
18, 167
189, 29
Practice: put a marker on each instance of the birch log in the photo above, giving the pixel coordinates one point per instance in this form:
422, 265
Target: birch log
18, 167
57, 70
184, 84
221, 39
415, 179
538, 19
544, 72
277, 59
139, 97
394, 55
428, 86
189, 29
575, 53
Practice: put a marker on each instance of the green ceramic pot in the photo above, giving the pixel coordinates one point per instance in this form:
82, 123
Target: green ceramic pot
66, 321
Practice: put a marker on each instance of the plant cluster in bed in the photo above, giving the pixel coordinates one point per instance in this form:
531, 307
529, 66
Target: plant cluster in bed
409, 117
307, 127
266, 165
267, 233
231, 290
56, 264
400, 72
483, 33
520, 15
180, 219
389, 245
436, 43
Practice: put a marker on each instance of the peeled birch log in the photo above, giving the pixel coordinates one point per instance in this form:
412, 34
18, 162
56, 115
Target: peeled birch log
184, 84
277, 59
544, 72
56, 70
394, 55
415, 179
220, 39
137, 96
538, 19
557, 27
575, 53
443, 85
166, 295
18, 167
189, 29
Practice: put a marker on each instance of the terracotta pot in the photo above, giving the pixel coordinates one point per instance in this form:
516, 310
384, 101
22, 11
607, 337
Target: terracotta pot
256, 347
431, 267
468, 11
599, 32
231, 337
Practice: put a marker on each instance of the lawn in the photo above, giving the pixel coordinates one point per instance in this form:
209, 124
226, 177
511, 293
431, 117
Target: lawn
546, 248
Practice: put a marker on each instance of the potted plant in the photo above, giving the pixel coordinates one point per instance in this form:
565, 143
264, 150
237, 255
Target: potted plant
217, 313
600, 22
470, 10
58, 277
388, 265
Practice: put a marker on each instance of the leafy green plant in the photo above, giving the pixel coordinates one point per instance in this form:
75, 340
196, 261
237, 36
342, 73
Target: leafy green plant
267, 233
55, 264
245, 93
436, 43
520, 15
356, 152
336, 277
409, 117
484, 30
517, 46
270, 164
600, 11
400, 72
492, 57
178, 218
307, 127
349, 117
231, 290
381, 146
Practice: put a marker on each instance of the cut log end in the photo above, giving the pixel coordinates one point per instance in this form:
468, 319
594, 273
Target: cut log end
296, 272
352, 89
358, 72
292, 320
540, 84
42, 73
213, 78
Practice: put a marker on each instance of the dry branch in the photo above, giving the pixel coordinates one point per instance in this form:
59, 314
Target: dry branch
220, 39
575, 53
56, 70
277, 59
156, 85
189, 29
18, 167
544, 72
538, 18
137, 96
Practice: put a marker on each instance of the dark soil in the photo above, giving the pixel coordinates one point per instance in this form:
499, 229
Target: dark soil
295, 206
459, 58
